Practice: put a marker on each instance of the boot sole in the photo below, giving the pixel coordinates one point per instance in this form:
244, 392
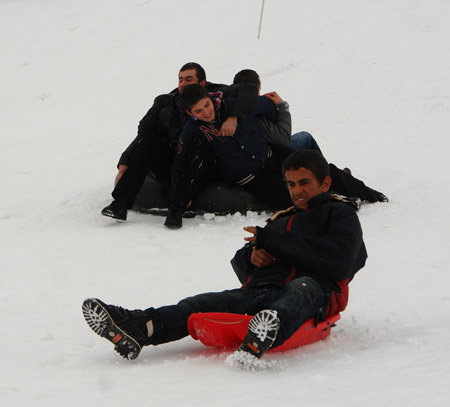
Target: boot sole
102, 324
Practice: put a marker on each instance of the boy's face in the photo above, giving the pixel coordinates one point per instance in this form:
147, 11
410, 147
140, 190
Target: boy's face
303, 186
204, 110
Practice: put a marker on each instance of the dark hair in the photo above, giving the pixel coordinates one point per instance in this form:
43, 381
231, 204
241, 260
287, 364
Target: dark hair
201, 74
192, 94
311, 160
247, 75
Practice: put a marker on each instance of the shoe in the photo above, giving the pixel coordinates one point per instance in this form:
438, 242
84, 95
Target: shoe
375, 196
262, 332
174, 219
116, 210
117, 325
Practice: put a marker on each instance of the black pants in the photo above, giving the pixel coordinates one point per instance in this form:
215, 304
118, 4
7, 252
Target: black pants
268, 184
298, 301
270, 177
151, 154
199, 166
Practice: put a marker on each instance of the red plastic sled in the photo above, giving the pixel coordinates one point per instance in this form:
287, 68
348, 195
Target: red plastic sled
229, 330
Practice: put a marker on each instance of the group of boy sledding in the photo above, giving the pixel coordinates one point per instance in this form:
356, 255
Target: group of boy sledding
295, 268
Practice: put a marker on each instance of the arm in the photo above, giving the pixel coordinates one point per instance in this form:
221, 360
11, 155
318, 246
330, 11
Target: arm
332, 254
264, 107
147, 125
284, 120
279, 132
241, 264
245, 94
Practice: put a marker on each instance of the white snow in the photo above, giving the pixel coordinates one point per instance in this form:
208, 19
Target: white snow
369, 79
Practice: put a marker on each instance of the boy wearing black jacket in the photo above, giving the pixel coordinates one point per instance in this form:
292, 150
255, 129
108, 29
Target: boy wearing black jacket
296, 268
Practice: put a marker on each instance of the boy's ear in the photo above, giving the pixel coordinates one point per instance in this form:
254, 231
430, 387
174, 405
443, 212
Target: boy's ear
326, 184
189, 112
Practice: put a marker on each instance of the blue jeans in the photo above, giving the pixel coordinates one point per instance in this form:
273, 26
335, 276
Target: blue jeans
304, 141
298, 301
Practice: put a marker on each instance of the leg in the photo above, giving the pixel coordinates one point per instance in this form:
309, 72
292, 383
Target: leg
300, 300
292, 306
151, 154
345, 184
170, 322
129, 330
199, 164
269, 184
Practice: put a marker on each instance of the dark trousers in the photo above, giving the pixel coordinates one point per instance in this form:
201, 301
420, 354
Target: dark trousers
199, 165
269, 182
347, 185
298, 301
151, 154
270, 177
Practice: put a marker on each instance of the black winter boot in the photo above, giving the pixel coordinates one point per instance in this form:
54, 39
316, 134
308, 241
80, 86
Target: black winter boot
117, 209
125, 329
174, 219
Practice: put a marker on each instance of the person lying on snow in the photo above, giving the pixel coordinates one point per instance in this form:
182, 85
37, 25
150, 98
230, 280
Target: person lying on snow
295, 268
244, 158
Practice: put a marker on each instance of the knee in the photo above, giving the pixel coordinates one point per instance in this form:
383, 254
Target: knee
309, 288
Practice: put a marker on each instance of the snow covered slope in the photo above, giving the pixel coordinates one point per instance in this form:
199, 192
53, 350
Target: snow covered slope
369, 79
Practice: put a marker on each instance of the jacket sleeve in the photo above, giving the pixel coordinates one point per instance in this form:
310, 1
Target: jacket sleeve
245, 94
264, 107
147, 126
336, 254
284, 121
279, 132
241, 263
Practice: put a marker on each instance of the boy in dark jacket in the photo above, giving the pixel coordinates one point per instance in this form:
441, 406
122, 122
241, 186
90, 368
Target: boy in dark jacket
296, 268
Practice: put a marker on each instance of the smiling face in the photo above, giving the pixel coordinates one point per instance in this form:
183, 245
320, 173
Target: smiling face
303, 186
204, 110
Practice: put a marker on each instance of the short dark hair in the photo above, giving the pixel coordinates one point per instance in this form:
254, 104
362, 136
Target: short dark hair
311, 160
192, 94
247, 75
201, 74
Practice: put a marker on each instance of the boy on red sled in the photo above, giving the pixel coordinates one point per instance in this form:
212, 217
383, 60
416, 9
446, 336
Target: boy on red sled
295, 268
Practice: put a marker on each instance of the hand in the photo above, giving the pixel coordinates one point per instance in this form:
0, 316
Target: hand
228, 126
274, 97
251, 229
261, 258
122, 169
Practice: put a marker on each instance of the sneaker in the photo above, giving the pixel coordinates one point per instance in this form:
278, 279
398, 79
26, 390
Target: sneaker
116, 210
117, 325
174, 219
262, 332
